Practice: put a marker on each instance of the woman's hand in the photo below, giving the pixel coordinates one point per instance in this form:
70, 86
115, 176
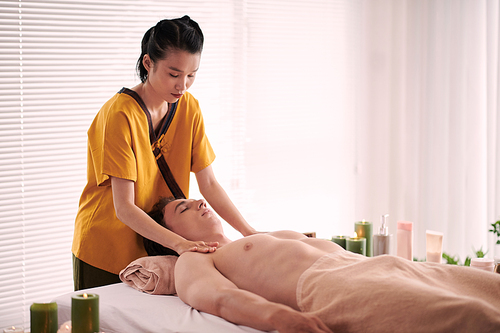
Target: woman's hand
199, 246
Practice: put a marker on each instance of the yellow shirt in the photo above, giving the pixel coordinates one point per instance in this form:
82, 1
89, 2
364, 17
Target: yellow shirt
119, 146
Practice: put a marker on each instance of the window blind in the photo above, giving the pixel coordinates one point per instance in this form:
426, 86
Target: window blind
60, 61
266, 97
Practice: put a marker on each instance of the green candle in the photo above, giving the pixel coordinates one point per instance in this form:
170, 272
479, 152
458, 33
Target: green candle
365, 229
356, 244
340, 240
85, 313
43, 317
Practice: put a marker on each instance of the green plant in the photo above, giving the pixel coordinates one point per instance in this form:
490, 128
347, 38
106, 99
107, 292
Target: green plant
456, 261
479, 253
450, 260
496, 230
467, 261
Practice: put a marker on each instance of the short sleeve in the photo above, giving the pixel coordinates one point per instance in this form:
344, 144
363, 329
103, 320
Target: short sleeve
119, 157
111, 147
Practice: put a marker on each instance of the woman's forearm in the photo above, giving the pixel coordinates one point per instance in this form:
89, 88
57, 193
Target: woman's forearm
144, 225
218, 199
222, 204
139, 221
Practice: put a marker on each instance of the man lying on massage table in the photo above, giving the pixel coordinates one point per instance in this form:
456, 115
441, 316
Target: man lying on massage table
291, 283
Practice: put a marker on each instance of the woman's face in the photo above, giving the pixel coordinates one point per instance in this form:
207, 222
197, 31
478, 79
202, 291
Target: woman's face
171, 77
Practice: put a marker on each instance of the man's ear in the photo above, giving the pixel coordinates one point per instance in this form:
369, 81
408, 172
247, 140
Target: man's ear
147, 62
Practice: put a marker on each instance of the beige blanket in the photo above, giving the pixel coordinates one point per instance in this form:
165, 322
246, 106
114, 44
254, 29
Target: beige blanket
152, 275
351, 293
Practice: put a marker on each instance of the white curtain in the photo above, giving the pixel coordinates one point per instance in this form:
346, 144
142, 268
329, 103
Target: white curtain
429, 120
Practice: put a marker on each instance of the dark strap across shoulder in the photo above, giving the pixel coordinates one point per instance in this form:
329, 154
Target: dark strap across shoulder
165, 170
155, 140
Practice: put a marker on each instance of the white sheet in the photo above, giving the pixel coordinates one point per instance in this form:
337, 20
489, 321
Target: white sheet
123, 309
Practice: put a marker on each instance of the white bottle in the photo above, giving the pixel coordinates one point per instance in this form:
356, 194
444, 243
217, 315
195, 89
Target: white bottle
405, 240
383, 241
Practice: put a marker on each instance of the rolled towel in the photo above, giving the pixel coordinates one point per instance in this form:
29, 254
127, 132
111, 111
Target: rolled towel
153, 275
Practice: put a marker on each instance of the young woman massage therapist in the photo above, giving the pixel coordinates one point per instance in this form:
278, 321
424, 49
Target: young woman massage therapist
142, 145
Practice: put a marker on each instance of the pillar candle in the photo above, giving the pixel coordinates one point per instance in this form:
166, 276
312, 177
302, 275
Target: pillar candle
365, 229
356, 244
43, 317
85, 313
340, 240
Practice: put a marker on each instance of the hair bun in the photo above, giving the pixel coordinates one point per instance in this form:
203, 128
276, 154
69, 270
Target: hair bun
168, 34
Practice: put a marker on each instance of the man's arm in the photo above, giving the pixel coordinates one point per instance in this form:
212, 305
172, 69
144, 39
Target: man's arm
199, 284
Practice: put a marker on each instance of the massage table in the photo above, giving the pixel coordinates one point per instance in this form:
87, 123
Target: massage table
122, 309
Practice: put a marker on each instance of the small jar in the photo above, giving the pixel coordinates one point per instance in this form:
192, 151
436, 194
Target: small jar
497, 265
483, 263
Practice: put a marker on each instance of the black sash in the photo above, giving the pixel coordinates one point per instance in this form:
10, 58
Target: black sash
155, 143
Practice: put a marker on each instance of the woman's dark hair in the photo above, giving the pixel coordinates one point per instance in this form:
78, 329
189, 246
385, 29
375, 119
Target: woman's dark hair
156, 213
181, 33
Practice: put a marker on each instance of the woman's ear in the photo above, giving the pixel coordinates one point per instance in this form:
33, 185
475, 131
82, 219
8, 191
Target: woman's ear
147, 62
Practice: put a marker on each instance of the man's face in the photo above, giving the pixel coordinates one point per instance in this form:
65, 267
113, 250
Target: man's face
190, 218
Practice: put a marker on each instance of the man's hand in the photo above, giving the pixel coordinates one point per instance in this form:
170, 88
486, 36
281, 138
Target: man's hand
199, 246
297, 322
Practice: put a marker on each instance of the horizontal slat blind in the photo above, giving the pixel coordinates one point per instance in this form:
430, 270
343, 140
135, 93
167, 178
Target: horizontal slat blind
60, 61
266, 99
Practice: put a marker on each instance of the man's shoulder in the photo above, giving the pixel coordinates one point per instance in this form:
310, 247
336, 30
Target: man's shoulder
193, 269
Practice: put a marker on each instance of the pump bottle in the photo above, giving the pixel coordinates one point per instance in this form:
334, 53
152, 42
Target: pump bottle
382, 241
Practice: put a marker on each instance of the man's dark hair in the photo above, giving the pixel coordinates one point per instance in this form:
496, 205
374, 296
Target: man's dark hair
156, 213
